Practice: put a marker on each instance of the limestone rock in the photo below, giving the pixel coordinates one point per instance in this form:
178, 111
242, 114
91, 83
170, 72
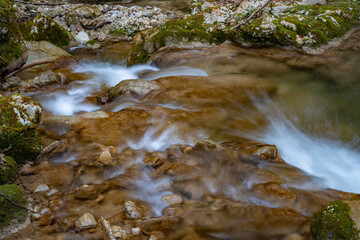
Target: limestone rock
130, 210
41, 188
105, 158
119, 233
86, 221
86, 192
172, 199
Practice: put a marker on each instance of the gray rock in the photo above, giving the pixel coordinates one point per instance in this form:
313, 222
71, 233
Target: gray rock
130, 210
86, 221
41, 188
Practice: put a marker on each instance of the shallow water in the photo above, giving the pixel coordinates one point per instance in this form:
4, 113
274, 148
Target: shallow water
313, 120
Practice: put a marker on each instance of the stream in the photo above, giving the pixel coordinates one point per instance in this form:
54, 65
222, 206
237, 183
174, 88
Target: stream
313, 119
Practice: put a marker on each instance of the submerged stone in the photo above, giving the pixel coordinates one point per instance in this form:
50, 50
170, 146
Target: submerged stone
86, 221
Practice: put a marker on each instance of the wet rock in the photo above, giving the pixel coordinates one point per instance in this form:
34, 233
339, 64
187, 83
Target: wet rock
92, 45
8, 170
274, 193
86, 192
172, 199
148, 226
42, 188
52, 149
86, 221
45, 211
12, 53
136, 231
10, 213
18, 122
130, 210
10, 83
45, 51
128, 88
339, 220
35, 216
207, 145
44, 28
119, 233
105, 158
52, 192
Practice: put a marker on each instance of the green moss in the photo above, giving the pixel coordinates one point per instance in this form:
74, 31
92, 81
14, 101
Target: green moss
174, 32
8, 170
10, 35
8, 211
23, 139
44, 28
333, 222
301, 25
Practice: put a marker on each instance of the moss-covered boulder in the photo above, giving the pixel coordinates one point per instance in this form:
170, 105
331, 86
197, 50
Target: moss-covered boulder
281, 23
300, 25
44, 28
9, 213
8, 170
19, 118
12, 54
75, 16
192, 31
339, 220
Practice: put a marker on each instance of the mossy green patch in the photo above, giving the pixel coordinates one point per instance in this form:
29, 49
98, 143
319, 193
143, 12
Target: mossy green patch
8, 211
333, 222
174, 32
8, 170
18, 121
10, 35
44, 28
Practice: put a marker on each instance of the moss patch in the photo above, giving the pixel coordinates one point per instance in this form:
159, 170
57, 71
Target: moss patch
44, 28
10, 35
333, 222
8, 170
18, 120
175, 32
8, 211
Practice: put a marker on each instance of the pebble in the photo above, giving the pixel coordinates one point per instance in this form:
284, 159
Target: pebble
105, 158
45, 211
85, 221
41, 188
136, 231
119, 233
130, 210
35, 216
52, 192
152, 237
172, 199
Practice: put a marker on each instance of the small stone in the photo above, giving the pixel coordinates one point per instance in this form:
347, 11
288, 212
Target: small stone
86, 192
52, 192
99, 199
82, 37
130, 210
136, 231
118, 232
41, 188
35, 216
207, 145
152, 237
105, 158
172, 199
86, 221
45, 211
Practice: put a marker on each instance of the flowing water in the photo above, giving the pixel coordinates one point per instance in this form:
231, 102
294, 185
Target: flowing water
314, 121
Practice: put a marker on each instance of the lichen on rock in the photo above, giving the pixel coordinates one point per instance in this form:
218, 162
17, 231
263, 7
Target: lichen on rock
19, 118
44, 28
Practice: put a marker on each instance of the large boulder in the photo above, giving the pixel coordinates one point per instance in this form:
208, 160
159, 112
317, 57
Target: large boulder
12, 54
44, 28
8, 170
19, 118
339, 220
9, 213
